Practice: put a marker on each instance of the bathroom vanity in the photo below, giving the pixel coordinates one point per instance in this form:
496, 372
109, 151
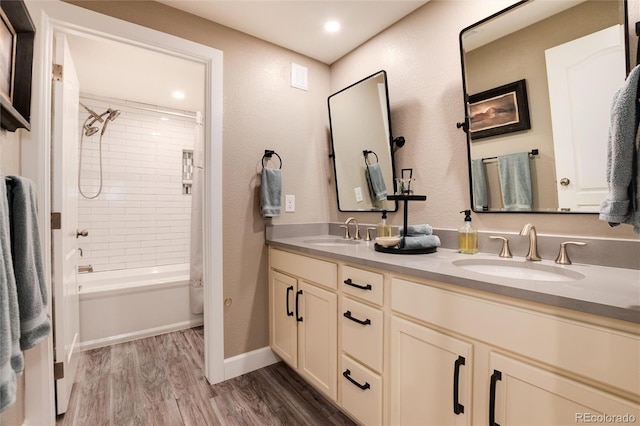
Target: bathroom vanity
427, 339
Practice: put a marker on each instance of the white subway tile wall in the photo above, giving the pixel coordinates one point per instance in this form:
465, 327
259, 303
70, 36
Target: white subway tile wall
141, 218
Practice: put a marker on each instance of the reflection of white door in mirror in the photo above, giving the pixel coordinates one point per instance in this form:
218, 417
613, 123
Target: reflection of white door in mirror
582, 83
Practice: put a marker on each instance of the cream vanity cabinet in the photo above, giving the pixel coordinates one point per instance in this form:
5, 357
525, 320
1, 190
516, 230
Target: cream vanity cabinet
303, 317
521, 366
362, 344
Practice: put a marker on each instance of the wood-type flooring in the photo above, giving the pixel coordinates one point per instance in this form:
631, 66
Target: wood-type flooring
159, 381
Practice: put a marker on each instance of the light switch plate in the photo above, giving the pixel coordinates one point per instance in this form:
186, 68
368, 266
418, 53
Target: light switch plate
299, 76
358, 192
290, 203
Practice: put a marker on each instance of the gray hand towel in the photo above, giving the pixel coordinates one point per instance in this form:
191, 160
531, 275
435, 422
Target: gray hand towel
514, 173
270, 192
11, 361
479, 182
421, 241
417, 230
377, 187
28, 267
622, 204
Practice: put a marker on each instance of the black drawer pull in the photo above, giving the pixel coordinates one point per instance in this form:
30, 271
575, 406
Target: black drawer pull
298, 293
347, 375
361, 287
457, 407
492, 397
289, 311
348, 315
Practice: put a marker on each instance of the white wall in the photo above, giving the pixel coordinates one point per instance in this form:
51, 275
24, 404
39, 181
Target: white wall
141, 218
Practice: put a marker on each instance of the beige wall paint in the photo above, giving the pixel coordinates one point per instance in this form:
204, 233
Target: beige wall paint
422, 59
261, 111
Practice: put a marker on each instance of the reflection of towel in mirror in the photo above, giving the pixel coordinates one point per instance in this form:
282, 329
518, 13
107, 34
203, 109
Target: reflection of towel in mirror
514, 173
420, 241
479, 184
622, 204
270, 192
11, 360
417, 230
377, 187
28, 265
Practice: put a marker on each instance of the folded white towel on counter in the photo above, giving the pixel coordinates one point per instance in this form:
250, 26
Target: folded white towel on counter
270, 192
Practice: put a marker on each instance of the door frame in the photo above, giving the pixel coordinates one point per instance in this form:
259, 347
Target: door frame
35, 161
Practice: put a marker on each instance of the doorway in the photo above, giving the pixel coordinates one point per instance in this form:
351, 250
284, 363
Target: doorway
61, 17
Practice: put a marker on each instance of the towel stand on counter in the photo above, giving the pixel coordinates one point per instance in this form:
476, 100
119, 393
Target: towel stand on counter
268, 154
532, 153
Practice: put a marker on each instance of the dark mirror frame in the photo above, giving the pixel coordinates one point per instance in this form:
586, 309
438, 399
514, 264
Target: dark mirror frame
391, 142
16, 113
465, 125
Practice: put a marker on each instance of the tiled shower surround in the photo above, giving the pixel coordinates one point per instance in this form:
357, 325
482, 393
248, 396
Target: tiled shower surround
141, 218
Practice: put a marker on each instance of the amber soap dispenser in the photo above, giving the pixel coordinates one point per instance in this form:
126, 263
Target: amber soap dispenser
467, 235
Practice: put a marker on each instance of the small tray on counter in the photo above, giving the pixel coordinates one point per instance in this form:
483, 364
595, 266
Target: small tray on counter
398, 250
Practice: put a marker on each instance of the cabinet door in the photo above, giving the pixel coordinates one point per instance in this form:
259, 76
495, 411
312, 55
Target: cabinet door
430, 376
282, 295
522, 394
317, 337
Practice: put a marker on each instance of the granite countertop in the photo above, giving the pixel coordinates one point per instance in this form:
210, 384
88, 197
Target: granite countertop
605, 291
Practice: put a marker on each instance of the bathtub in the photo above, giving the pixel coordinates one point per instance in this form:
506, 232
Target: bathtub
119, 306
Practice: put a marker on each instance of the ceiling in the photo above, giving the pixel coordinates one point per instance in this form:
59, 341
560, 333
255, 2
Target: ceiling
114, 69
299, 24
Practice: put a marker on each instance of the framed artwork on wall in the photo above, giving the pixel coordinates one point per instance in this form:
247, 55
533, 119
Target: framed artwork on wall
17, 34
497, 111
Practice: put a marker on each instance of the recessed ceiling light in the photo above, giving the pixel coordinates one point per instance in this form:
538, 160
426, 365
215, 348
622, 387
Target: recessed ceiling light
332, 26
178, 94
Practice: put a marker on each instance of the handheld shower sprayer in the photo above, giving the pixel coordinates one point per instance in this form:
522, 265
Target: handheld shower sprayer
113, 114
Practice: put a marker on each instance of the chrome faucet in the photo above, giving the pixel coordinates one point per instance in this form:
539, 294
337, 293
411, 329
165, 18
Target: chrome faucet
356, 235
530, 230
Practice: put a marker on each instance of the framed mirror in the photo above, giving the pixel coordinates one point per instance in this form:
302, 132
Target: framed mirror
362, 145
538, 79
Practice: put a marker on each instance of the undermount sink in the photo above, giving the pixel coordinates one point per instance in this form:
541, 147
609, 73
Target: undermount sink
334, 242
521, 270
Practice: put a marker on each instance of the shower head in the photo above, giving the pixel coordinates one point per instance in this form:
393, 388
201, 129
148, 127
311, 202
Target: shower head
113, 114
90, 130
92, 113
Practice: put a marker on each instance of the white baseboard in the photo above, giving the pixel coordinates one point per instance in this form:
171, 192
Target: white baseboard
140, 334
248, 362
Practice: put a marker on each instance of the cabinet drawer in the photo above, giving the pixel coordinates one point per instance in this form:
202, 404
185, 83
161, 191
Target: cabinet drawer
364, 404
363, 284
362, 341
310, 269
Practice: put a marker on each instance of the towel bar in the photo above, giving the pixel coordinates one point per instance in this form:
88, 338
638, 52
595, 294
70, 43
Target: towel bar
268, 153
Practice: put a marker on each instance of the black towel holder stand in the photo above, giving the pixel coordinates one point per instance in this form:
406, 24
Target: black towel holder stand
268, 153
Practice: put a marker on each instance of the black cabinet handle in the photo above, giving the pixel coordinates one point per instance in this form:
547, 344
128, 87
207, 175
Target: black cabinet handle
361, 287
348, 315
298, 293
347, 375
289, 311
457, 407
492, 397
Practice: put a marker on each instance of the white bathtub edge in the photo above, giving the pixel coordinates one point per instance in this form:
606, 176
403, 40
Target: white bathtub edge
139, 334
248, 362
